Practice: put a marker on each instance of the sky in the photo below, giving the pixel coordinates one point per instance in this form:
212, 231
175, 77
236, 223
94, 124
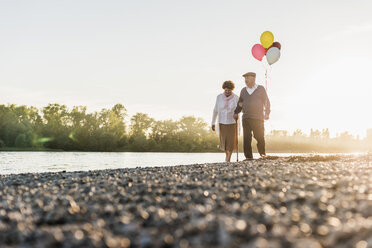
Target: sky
169, 58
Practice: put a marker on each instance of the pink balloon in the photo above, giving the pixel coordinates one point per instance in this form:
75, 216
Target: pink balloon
258, 51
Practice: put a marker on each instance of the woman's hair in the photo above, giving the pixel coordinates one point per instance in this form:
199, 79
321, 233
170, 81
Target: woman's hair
228, 84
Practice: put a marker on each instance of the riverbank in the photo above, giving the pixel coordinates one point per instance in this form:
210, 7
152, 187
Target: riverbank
279, 148
275, 202
39, 149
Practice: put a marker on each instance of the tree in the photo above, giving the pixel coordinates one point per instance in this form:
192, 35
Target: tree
13, 122
57, 126
369, 134
165, 135
278, 133
325, 134
162, 130
315, 134
140, 124
192, 131
298, 133
345, 136
21, 141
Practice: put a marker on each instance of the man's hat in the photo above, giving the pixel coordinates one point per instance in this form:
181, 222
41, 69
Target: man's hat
249, 74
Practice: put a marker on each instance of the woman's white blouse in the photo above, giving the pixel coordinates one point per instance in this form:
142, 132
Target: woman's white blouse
225, 116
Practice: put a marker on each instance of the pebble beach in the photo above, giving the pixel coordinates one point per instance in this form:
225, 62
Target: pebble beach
297, 201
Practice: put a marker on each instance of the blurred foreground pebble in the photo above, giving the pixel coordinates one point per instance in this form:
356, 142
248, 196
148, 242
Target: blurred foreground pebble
273, 202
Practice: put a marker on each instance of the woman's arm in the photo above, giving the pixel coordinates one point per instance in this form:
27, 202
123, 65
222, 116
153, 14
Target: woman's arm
239, 106
215, 113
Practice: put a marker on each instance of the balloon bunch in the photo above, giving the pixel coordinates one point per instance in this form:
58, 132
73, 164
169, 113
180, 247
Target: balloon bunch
267, 47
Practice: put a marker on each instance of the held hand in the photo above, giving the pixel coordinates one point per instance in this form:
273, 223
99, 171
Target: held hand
214, 127
266, 117
236, 116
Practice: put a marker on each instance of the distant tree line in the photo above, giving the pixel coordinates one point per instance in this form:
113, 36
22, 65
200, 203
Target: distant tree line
317, 141
58, 127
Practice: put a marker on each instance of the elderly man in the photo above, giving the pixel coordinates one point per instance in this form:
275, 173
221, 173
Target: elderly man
255, 104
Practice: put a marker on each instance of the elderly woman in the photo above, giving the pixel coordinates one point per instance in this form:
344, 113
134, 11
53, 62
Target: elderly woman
226, 126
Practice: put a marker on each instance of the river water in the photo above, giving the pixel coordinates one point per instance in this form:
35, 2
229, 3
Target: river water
31, 162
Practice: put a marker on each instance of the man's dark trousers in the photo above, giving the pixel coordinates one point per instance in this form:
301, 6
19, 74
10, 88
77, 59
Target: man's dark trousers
258, 129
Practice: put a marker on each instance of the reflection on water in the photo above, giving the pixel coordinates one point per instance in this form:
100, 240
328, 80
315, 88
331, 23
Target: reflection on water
26, 162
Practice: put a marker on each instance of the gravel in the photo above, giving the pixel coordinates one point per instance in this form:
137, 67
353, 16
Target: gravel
312, 201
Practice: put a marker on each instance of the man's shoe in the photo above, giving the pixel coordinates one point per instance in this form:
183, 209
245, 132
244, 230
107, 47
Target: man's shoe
248, 159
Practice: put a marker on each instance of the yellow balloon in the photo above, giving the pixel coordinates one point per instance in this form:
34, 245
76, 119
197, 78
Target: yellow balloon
267, 39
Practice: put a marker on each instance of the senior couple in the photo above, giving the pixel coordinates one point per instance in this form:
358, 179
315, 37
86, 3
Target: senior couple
255, 104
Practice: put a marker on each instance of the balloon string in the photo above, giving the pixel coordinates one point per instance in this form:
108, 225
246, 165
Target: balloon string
265, 68
266, 79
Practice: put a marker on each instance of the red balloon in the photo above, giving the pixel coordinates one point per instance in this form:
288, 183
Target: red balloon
258, 51
276, 44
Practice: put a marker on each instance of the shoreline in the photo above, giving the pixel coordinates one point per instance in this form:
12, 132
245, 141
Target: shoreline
341, 151
297, 201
